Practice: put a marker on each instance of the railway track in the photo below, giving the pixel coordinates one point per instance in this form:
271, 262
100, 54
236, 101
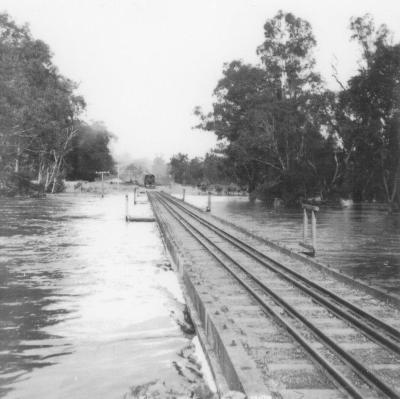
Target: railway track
305, 309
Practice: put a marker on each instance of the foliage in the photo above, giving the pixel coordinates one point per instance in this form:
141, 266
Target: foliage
195, 173
133, 171
216, 168
198, 171
39, 110
285, 135
89, 152
179, 168
268, 115
372, 111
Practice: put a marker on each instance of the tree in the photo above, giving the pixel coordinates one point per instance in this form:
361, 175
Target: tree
133, 171
267, 115
195, 173
38, 109
287, 56
89, 152
216, 168
235, 117
372, 114
179, 165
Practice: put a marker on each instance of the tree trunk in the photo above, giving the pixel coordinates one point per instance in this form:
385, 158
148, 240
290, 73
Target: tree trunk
396, 190
252, 187
393, 192
16, 168
55, 176
394, 199
39, 177
46, 184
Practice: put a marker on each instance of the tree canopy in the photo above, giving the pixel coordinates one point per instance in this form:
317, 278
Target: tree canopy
89, 152
213, 169
39, 111
372, 111
286, 135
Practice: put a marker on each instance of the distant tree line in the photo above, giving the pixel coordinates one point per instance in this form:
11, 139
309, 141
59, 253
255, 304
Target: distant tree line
284, 134
214, 169
42, 137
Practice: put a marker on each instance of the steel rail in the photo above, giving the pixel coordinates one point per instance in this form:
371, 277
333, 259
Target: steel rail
356, 366
336, 375
259, 256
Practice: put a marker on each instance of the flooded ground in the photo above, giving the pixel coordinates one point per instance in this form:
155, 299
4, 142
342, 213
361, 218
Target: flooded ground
364, 243
89, 305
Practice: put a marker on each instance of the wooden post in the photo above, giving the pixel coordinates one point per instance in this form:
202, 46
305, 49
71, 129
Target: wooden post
183, 195
126, 207
134, 196
314, 230
313, 246
208, 209
305, 224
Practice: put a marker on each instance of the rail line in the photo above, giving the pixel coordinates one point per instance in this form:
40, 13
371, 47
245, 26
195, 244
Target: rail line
389, 336
348, 371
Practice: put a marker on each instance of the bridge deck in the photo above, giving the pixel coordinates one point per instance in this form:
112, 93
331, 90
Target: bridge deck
273, 325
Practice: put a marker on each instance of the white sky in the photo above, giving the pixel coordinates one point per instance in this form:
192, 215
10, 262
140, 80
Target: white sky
143, 65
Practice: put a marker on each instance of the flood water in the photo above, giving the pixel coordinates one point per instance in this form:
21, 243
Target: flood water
364, 243
89, 305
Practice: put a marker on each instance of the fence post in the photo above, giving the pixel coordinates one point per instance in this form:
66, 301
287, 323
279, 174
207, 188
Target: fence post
134, 196
208, 209
126, 207
314, 230
305, 224
183, 195
313, 246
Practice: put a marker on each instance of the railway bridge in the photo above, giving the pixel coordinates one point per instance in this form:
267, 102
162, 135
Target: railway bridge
274, 324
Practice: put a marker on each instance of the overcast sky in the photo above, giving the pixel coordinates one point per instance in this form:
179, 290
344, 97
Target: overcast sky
143, 65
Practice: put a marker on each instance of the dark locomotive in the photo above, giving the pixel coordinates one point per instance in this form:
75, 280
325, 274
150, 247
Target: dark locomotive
149, 181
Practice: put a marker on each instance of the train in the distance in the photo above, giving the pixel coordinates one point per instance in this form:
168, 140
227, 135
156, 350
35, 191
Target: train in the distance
149, 181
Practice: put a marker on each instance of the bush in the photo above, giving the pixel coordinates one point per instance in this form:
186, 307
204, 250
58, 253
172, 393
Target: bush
218, 189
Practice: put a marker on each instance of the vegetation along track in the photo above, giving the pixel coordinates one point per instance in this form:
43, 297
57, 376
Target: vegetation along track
302, 307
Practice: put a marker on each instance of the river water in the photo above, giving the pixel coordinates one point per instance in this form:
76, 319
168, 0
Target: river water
364, 243
89, 304
90, 307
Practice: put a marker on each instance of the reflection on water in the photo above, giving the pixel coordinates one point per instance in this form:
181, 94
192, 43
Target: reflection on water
362, 242
89, 306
